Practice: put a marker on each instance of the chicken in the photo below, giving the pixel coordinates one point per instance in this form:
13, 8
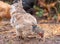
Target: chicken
27, 5
4, 10
23, 22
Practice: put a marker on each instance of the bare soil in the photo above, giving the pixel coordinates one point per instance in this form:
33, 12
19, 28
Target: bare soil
8, 36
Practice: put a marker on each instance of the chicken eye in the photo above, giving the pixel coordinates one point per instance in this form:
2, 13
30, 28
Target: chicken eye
34, 26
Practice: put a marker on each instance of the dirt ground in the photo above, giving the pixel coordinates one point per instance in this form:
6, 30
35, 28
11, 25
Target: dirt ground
8, 35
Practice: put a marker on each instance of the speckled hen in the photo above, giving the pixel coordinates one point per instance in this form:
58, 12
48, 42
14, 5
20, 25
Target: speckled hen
23, 22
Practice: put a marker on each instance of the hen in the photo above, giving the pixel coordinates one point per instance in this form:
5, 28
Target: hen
23, 22
4, 10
